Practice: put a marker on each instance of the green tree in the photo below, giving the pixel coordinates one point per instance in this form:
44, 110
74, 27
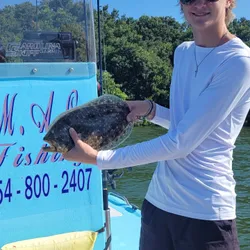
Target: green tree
110, 87
241, 28
139, 72
137, 53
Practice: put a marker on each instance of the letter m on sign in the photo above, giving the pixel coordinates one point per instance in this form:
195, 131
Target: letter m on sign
7, 115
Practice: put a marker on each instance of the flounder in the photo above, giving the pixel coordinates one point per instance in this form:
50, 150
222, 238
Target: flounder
101, 123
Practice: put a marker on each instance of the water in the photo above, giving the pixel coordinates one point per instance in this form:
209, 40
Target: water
134, 184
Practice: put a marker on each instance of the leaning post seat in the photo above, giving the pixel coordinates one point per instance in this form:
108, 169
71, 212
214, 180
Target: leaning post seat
73, 241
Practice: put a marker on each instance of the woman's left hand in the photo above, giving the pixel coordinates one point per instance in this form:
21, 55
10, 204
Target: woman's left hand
81, 152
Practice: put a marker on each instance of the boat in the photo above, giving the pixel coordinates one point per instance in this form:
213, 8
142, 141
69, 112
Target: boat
49, 65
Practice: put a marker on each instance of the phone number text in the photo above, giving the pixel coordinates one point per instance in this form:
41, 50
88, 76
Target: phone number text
40, 185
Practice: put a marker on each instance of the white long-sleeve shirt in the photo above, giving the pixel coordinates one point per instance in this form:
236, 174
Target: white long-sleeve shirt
194, 175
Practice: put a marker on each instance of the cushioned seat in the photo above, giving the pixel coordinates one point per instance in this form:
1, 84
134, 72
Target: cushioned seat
69, 241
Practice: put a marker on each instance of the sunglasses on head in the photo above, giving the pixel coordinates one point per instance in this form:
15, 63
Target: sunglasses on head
187, 2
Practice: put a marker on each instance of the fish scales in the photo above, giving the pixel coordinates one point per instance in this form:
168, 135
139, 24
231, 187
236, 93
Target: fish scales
101, 123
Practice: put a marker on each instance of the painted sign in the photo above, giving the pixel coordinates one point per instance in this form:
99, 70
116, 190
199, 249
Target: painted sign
41, 194
33, 48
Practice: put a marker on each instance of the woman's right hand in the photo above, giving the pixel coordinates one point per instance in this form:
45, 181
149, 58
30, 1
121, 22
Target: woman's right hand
139, 109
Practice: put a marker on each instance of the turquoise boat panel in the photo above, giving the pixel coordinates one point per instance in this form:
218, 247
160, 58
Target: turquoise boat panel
49, 71
41, 194
125, 224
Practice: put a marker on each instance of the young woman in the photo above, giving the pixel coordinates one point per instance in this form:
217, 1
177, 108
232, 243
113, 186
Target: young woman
191, 200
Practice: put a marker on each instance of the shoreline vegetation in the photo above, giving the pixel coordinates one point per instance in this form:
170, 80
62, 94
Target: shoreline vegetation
137, 53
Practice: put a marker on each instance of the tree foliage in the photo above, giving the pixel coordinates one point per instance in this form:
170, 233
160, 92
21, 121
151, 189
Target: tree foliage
138, 58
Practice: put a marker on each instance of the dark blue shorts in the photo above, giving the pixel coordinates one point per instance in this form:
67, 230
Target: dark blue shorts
165, 231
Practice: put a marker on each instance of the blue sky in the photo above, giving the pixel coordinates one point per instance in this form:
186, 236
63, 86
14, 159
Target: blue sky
137, 8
